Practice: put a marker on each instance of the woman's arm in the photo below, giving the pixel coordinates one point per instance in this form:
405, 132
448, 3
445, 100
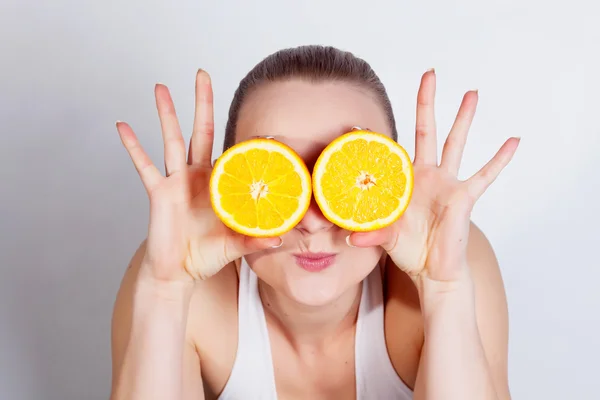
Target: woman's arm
466, 332
152, 359
187, 243
451, 263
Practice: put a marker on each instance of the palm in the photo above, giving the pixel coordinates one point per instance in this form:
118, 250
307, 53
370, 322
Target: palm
435, 225
179, 230
430, 239
206, 231
186, 240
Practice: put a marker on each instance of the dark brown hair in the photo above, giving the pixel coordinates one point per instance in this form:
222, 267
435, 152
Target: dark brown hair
315, 64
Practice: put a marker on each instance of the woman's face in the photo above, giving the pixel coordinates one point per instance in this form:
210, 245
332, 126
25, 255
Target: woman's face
308, 116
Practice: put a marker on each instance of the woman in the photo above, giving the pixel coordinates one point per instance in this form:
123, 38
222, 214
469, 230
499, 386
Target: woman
417, 308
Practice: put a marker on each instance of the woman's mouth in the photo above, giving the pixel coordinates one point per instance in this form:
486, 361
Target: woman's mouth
314, 262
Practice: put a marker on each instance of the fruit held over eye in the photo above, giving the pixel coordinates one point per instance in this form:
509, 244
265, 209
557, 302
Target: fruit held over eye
363, 181
260, 188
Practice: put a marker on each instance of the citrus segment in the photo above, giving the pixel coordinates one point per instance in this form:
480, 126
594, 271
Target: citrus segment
238, 167
279, 166
363, 181
258, 159
260, 188
284, 205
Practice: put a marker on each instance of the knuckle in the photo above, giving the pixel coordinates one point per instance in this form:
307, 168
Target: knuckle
421, 131
206, 128
175, 141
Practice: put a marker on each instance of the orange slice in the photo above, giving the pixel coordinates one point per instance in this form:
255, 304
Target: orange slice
363, 181
260, 188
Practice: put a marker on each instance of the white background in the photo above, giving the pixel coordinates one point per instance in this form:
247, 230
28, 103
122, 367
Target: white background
73, 210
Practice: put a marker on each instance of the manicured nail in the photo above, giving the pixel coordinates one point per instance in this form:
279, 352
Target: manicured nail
279, 245
348, 241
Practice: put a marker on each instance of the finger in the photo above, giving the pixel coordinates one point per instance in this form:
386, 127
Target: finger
457, 138
201, 145
149, 174
171, 132
425, 130
478, 183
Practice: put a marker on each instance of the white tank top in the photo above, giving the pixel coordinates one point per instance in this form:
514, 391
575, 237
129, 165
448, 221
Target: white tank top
252, 376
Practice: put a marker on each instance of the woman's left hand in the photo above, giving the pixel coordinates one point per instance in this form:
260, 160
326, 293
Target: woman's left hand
430, 239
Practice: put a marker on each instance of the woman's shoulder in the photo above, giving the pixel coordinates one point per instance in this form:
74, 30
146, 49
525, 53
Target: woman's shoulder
213, 326
215, 296
211, 323
403, 323
213, 305
404, 330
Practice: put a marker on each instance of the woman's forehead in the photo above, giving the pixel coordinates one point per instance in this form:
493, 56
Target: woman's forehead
308, 116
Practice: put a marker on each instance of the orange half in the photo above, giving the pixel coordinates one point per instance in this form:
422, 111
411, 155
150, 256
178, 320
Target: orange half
260, 188
363, 181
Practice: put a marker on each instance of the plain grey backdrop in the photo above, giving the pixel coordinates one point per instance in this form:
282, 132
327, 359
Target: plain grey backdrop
72, 209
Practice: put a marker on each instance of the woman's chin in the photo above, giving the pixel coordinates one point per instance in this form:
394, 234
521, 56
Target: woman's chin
314, 282
315, 290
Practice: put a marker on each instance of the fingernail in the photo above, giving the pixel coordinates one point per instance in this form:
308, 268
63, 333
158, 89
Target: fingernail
203, 76
475, 90
431, 70
279, 245
118, 122
348, 241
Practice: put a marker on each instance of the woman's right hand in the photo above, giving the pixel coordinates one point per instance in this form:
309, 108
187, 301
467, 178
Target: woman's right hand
186, 241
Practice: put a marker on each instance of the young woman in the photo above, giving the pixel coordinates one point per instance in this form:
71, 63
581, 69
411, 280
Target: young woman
415, 309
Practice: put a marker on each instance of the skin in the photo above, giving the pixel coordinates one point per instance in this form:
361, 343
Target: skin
446, 319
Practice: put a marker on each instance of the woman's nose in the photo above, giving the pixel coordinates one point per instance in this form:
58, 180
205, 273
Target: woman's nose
314, 220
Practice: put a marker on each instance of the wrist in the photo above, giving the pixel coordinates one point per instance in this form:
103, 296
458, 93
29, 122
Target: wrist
455, 298
163, 290
160, 309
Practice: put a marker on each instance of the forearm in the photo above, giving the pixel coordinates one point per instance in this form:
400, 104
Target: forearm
453, 363
152, 363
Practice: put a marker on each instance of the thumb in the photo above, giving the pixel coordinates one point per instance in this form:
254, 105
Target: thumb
384, 237
252, 244
234, 248
241, 245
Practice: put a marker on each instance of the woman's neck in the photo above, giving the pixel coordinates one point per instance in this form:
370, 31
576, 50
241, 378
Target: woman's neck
311, 326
